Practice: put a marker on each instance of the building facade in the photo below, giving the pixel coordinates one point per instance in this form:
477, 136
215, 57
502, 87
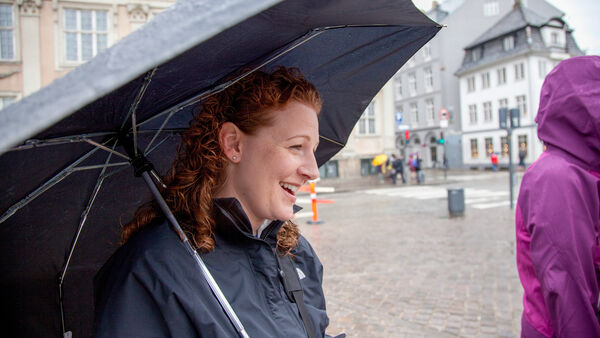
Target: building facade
464, 21
505, 68
41, 40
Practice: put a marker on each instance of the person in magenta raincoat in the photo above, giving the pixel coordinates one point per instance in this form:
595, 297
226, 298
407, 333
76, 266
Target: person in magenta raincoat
558, 210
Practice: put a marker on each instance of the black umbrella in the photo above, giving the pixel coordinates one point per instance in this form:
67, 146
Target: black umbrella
66, 180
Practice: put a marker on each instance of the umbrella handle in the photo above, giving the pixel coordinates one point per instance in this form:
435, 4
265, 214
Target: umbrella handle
186, 243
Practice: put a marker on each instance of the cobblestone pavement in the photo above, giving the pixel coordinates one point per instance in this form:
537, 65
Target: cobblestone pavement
400, 267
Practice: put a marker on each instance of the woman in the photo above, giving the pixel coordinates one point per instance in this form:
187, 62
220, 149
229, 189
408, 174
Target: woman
558, 210
232, 188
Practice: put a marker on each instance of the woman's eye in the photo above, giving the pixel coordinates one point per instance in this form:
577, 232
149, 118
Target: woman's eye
296, 146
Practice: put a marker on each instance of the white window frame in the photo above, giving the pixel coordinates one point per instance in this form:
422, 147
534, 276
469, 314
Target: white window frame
366, 123
471, 84
485, 80
414, 112
472, 114
412, 83
398, 88
427, 52
429, 111
491, 8
503, 103
501, 72
522, 104
519, 71
61, 32
474, 148
428, 77
508, 43
15, 28
489, 146
475, 54
487, 111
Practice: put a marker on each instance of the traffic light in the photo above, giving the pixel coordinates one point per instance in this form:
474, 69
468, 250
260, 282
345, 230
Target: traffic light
406, 136
442, 139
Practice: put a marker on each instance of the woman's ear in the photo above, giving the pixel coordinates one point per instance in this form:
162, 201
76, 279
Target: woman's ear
229, 138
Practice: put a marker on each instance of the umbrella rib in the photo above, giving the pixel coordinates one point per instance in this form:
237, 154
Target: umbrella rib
139, 95
80, 229
35, 143
44, 187
159, 131
332, 141
112, 151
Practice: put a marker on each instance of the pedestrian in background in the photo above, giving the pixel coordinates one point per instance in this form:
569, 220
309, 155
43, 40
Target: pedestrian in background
522, 155
494, 160
419, 169
558, 210
397, 168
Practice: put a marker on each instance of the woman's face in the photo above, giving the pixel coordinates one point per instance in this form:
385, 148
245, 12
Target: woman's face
274, 163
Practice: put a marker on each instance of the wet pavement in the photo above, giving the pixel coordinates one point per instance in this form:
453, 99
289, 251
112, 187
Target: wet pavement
396, 265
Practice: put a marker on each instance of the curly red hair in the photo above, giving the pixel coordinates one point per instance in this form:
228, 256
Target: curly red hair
198, 172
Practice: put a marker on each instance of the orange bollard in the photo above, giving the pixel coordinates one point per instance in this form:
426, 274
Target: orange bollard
314, 201
313, 197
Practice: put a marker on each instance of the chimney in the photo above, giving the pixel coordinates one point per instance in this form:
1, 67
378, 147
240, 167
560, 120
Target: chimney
435, 5
517, 4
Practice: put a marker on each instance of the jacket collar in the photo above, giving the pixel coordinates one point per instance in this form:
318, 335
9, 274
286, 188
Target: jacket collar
232, 221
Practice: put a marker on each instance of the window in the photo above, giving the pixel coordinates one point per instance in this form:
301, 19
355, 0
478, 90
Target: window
86, 33
487, 111
508, 43
554, 38
5, 101
542, 68
522, 104
329, 169
414, 112
523, 143
491, 8
489, 146
428, 74
472, 113
366, 123
412, 84
398, 88
429, 111
471, 84
366, 168
501, 75
503, 103
7, 46
474, 150
519, 71
485, 80
427, 52
475, 54
504, 145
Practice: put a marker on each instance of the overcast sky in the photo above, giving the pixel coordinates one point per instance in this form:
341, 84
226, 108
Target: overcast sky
581, 15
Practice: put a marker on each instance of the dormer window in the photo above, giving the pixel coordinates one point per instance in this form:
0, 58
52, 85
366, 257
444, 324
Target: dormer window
475, 54
554, 38
508, 43
491, 8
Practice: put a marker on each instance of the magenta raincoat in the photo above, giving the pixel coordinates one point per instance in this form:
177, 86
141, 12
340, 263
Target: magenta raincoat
558, 210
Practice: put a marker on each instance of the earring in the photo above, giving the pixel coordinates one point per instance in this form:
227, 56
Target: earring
234, 157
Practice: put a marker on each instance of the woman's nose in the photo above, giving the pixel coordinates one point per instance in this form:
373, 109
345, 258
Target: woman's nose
309, 168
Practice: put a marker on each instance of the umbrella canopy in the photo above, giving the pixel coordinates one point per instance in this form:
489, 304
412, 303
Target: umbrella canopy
379, 159
66, 181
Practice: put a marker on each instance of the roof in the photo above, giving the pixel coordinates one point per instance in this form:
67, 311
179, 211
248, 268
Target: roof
516, 19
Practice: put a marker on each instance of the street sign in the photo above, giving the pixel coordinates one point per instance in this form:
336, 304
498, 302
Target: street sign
502, 113
443, 123
444, 114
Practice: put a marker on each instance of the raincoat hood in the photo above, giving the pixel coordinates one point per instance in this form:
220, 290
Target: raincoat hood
569, 114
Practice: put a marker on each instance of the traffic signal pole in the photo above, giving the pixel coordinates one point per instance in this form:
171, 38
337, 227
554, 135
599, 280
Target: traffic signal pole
514, 121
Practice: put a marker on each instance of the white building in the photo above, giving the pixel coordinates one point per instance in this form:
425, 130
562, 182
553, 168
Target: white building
505, 67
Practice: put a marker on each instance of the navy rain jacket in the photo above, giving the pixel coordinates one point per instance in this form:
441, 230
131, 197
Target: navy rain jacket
153, 287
